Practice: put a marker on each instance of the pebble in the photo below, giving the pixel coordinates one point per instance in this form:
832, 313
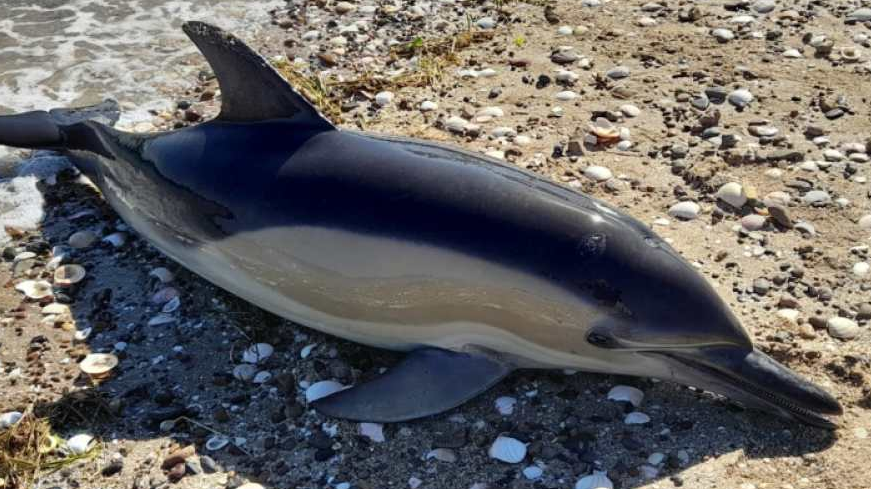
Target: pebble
486, 23
753, 222
532, 472
636, 417
861, 268
625, 393
597, 173
565, 30
733, 194
865, 222
859, 15
566, 95
842, 328
764, 6
723, 35
685, 210
384, 98
740, 98
630, 110
505, 405
816, 197
82, 239
456, 124
322, 389
428, 106
618, 72
598, 480
792, 54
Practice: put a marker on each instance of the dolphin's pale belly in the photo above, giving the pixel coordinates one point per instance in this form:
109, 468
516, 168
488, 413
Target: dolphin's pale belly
397, 294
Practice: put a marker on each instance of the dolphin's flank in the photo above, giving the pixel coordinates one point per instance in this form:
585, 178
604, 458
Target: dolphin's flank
474, 267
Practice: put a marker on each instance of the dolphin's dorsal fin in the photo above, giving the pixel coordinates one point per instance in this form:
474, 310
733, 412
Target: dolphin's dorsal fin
251, 89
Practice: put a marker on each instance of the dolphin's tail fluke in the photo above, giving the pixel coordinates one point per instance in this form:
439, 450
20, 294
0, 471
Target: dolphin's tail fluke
46, 130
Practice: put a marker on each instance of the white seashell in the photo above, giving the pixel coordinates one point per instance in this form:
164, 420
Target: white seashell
9, 419
636, 417
98, 365
82, 334
69, 275
307, 350
80, 444
34, 289
261, 377
532, 472
162, 274
244, 372
373, 431
171, 306
598, 480
216, 443
116, 239
505, 405
322, 389
257, 353
487, 73
627, 394
507, 449
161, 319
733, 194
442, 455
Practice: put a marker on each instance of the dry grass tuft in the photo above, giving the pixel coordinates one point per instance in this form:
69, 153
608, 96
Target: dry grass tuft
29, 449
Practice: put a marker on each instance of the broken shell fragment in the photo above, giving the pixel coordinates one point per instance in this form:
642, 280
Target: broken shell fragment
605, 132
373, 431
34, 289
164, 295
216, 443
80, 444
57, 309
627, 394
98, 365
162, 274
9, 419
322, 389
508, 450
257, 353
161, 319
69, 275
171, 306
117, 240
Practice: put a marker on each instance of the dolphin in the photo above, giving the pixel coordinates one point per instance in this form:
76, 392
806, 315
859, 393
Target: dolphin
474, 267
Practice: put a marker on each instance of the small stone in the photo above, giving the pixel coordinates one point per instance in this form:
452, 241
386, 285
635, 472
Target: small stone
636, 417
630, 110
486, 23
861, 268
816, 197
597, 173
428, 106
761, 286
618, 72
865, 222
566, 95
842, 328
82, 239
684, 210
780, 215
753, 222
723, 35
508, 450
740, 98
384, 98
345, 7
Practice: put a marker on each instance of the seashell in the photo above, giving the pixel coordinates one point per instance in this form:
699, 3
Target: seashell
262, 377
636, 417
598, 480
373, 431
505, 405
216, 443
9, 419
162, 274
627, 394
257, 353
164, 295
733, 194
532, 472
82, 239
442, 455
80, 444
322, 389
98, 365
161, 319
244, 372
171, 306
604, 131
34, 289
307, 350
83, 334
850, 54
508, 450
69, 275
117, 240
487, 73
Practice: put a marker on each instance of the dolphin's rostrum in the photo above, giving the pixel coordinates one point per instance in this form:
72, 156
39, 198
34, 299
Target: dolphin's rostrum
474, 267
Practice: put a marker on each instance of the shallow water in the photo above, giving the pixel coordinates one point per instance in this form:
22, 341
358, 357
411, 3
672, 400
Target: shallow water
61, 53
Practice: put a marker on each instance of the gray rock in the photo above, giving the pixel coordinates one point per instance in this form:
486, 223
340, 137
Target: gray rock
618, 72
816, 198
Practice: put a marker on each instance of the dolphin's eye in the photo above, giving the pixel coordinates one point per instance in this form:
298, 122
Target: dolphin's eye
599, 340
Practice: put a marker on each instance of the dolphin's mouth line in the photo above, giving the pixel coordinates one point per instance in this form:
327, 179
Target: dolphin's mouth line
804, 414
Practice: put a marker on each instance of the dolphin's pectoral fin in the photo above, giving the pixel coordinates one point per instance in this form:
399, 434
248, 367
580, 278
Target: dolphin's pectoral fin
428, 381
251, 89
